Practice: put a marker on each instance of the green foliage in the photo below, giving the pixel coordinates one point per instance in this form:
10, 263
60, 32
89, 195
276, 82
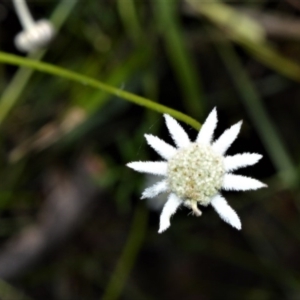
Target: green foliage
63, 116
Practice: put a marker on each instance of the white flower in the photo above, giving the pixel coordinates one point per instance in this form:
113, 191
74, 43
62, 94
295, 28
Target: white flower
195, 172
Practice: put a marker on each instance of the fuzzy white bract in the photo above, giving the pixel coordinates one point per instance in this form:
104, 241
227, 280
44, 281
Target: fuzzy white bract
195, 172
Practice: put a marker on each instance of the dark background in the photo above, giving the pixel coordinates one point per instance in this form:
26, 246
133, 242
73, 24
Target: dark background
71, 222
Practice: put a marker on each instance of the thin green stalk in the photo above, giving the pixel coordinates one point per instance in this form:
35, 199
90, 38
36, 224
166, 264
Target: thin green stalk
128, 257
126, 69
258, 114
88, 81
16, 86
179, 56
128, 12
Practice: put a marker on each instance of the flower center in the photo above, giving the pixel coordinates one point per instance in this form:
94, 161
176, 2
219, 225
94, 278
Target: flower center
195, 173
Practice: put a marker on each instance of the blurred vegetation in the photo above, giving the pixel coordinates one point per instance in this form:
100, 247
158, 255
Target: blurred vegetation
72, 115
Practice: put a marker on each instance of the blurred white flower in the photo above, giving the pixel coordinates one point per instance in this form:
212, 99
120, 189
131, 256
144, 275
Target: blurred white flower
195, 172
35, 35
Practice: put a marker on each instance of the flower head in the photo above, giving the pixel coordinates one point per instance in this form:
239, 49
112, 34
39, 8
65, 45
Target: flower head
195, 172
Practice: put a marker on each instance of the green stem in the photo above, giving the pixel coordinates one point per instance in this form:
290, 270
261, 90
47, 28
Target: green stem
179, 56
128, 257
129, 16
88, 81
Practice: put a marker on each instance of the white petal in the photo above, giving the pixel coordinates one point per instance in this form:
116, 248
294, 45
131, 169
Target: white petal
225, 212
152, 167
178, 134
165, 150
155, 189
240, 183
207, 130
237, 161
227, 138
169, 209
